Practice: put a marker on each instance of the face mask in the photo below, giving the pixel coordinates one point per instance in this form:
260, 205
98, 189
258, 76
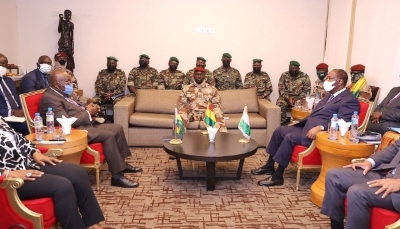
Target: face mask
328, 86
69, 88
62, 62
44, 68
321, 75
3, 71
355, 76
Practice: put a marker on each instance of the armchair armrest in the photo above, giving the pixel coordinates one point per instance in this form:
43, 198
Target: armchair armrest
272, 114
123, 109
395, 225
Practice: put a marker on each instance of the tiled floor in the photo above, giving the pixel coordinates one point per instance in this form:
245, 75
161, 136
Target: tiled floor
164, 201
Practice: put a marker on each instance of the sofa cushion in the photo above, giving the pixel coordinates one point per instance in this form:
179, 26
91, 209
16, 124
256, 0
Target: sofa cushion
233, 101
256, 121
156, 101
157, 121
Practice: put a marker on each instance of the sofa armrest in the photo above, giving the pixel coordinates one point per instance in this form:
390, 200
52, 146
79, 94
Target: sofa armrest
272, 113
123, 109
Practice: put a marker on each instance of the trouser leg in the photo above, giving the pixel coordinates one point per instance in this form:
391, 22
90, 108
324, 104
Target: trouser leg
283, 104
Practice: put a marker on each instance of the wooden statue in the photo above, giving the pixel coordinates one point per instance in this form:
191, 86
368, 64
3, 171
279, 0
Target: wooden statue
66, 41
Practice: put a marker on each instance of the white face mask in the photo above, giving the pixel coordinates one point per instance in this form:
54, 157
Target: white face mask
3, 71
328, 86
44, 68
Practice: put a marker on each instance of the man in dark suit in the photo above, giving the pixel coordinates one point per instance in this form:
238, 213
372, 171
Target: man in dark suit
112, 136
10, 104
372, 183
387, 113
38, 78
338, 101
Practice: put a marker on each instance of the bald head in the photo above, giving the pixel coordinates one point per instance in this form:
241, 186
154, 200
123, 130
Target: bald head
58, 75
3, 60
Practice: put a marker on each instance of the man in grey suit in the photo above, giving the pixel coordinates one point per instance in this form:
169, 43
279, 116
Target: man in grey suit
112, 136
372, 183
387, 113
338, 101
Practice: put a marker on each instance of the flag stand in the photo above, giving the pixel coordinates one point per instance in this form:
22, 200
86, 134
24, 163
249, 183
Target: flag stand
175, 141
243, 140
204, 132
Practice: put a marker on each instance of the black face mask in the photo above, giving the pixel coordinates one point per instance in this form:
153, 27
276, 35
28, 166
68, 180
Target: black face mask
173, 68
256, 69
321, 75
62, 62
293, 72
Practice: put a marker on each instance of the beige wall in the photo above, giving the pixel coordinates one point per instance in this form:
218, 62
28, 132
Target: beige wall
9, 30
275, 31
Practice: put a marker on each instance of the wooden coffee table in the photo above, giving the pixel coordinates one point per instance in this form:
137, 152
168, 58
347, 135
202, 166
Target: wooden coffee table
197, 147
72, 148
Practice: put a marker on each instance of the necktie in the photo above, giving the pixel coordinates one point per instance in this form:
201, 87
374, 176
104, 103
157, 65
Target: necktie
390, 101
46, 80
330, 98
8, 95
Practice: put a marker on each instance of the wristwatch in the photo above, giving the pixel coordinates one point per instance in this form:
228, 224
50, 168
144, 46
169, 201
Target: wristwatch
322, 127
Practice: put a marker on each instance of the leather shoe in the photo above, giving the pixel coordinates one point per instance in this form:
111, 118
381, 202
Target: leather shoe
269, 182
262, 170
123, 182
130, 169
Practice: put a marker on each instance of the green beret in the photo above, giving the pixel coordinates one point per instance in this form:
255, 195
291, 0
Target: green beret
257, 60
226, 55
144, 56
295, 63
201, 58
112, 58
172, 58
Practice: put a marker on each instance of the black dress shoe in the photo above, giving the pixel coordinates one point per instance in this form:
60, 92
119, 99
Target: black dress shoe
123, 182
269, 182
262, 170
130, 169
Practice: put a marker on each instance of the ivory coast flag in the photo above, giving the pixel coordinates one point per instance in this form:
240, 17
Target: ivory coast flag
244, 124
179, 127
209, 118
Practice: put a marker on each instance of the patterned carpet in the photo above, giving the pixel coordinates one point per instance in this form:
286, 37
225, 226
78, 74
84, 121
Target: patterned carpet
164, 201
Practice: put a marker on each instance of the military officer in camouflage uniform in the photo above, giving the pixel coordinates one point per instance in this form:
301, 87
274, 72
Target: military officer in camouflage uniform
171, 78
322, 72
359, 85
227, 77
143, 77
201, 62
258, 79
60, 61
110, 83
293, 85
194, 99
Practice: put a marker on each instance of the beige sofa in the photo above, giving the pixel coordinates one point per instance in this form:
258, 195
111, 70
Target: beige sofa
148, 117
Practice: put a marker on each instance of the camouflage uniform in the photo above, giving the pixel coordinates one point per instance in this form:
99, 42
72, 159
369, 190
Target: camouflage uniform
261, 81
171, 80
143, 78
193, 101
290, 87
109, 82
319, 88
227, 79
208, 79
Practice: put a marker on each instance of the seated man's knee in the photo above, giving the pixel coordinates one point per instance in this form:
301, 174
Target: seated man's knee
355, 192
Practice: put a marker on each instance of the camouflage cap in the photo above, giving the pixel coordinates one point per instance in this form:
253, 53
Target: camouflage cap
257, 60
112, 58
322, 66
199, 69
295, 63
201, 58
358, 67
172, 58
226, 55
144, 56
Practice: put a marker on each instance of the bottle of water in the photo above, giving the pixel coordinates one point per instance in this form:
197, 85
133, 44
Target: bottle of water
334, 127
50, 120
38, 123
354, 124
317, 99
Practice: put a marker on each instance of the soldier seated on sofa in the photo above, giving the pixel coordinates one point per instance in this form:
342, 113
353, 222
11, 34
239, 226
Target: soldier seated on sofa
110, 83
171, 78
359, 86
194, 98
